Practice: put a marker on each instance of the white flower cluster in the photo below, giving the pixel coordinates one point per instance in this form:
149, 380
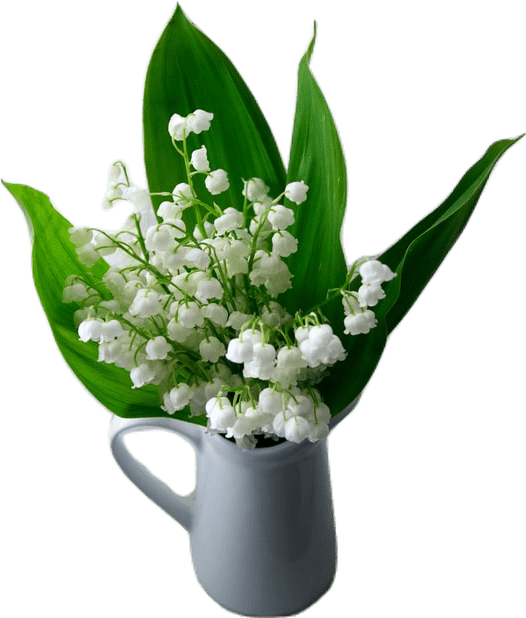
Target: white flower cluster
190, 307
359, 319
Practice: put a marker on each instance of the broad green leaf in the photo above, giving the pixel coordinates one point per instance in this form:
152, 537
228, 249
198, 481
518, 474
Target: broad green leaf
419, 253
188, 72
415, 258
54, 259
316, 157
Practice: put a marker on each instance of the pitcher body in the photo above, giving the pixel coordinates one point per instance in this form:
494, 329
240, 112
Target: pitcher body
262, 538
261, 520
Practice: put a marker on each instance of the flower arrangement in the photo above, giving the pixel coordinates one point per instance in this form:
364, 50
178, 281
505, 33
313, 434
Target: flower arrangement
184, 308
226, 300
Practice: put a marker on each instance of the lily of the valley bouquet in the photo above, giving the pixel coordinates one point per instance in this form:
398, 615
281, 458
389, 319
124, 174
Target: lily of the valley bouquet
226, 299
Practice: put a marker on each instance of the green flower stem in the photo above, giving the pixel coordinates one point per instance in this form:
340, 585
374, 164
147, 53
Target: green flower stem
198, 216
147, 266
140, 238
223, 278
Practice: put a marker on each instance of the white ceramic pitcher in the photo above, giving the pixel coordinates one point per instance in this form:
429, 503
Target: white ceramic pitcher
260, 520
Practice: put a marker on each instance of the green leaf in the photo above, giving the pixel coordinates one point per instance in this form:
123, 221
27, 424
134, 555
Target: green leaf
419, 253
316, 157
54, 259
188, 72
415, 258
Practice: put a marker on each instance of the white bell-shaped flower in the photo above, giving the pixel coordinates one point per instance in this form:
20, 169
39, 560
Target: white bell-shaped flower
319, 336
318, 431
145, 373
242, 427
75, 293
334, 351
323, 413
199, 160
261, 365
284, 243
280, 217
220, 413
116, 182
160, 238
255, 190
297, 429
197, 258
90, 329
279, 422
237, 319
142, 204
207, 289
190, 315
216, 314
296, 192
375, 272
369, 294
111, 330
320, 346
177, 331
217, 182
199, 121
110, 351
182, 194
80, 236
176, 127
146, 303
178, 398
169, 210
290, 358
211, 349
360, 323
231, 219
270, 401
239, 351
158, 348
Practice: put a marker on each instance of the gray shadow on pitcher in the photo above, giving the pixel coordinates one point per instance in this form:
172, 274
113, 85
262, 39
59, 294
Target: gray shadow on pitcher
261, 521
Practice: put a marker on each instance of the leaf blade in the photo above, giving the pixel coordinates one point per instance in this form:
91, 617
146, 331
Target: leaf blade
436, 234
316, 156
416, 256
53, 260
188, 71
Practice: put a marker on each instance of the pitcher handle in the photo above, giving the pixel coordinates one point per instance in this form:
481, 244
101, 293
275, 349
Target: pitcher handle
178, 507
